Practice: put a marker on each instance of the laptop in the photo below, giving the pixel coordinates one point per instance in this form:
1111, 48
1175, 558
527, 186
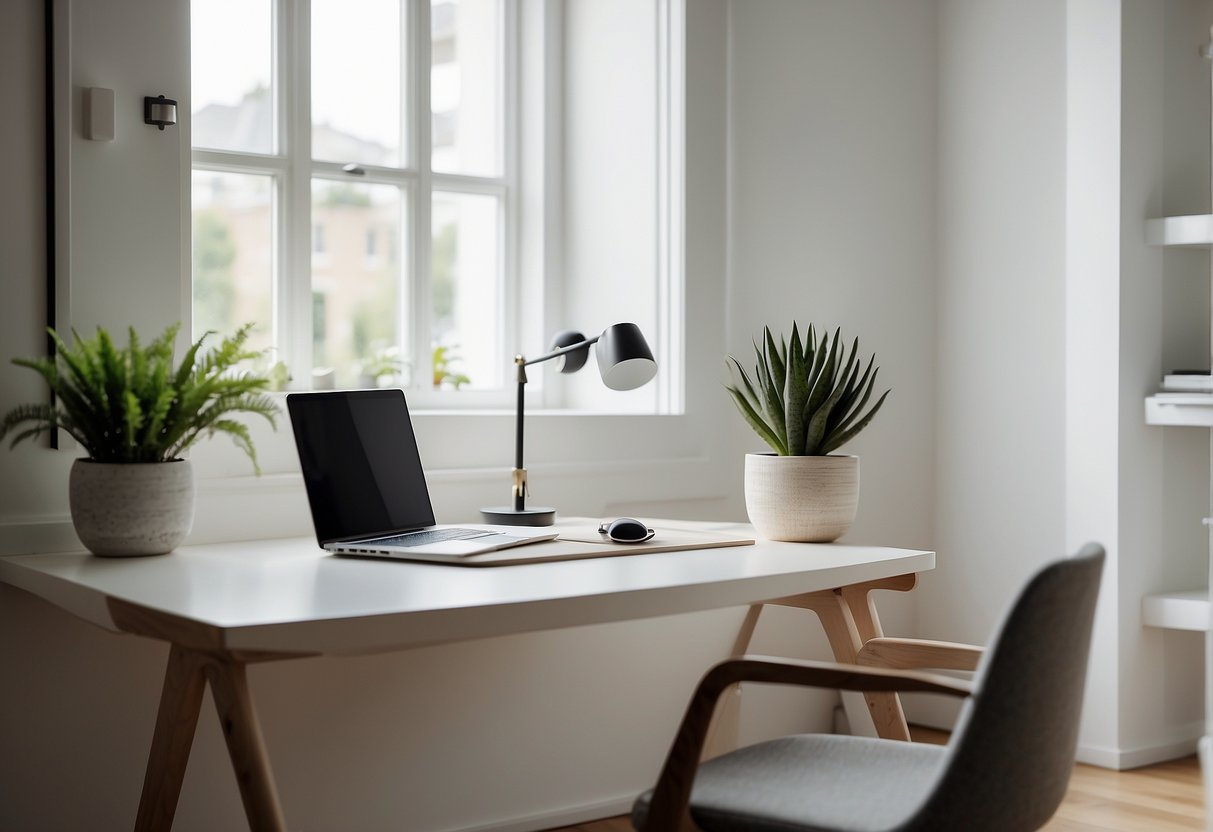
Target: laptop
366, 487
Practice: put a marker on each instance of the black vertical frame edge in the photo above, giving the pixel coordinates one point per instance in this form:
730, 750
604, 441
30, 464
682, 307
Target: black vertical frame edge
48, 10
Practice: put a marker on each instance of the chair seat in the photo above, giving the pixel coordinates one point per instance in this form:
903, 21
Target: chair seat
811, 783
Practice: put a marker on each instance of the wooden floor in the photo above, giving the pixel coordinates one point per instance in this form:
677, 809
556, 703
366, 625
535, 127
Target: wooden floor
1161, 798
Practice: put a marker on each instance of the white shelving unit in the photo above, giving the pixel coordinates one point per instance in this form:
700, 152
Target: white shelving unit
1190, 230
1186, 609
1190, 409
1190, 609
1177, 610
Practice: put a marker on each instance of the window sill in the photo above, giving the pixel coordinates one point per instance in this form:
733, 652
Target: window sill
462, 443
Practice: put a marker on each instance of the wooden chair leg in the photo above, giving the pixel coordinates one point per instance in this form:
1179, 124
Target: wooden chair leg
888, 716
229, 685
176, 721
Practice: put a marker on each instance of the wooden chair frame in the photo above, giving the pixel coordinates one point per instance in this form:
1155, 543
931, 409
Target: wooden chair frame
852, 626
669, 809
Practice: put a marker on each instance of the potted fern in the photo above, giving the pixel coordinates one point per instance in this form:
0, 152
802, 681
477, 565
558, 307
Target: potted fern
806, 401
136, 414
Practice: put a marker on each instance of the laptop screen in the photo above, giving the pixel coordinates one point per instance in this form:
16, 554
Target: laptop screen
360, 463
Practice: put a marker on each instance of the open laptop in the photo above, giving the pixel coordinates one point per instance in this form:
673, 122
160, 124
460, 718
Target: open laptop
366, 487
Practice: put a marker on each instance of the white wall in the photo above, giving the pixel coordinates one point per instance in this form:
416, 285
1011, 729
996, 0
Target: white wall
1062, 127
1092, 362
1000, 375
548, 727
896, 169
31, 480
831, 199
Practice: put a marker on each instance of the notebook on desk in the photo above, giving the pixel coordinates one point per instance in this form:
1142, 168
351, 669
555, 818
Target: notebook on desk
366, 487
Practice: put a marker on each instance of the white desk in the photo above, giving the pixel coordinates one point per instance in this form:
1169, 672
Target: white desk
223, 606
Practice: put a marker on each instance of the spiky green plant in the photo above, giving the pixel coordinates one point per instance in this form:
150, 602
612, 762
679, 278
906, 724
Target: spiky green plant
130, 405
806, 399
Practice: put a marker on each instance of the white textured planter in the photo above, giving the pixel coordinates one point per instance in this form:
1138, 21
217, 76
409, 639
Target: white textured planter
810, 499
131, 510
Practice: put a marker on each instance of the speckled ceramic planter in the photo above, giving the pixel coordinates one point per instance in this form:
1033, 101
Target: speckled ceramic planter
811, 499
132, 510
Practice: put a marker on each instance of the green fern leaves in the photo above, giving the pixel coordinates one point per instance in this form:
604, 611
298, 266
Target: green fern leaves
130, 404
806, 398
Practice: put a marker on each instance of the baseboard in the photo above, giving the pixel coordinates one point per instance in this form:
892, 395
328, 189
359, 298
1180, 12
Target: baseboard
1120, 759
557, 817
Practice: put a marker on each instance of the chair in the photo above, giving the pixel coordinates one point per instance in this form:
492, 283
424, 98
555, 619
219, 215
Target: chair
1006, 767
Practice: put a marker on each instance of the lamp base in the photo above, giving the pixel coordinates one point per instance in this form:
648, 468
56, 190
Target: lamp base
508, 516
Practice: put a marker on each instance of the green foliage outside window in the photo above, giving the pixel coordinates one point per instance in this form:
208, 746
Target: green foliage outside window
214, 289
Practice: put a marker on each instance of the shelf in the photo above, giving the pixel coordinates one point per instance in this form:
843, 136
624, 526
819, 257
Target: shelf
1192, 409
1192, 230
1177, 610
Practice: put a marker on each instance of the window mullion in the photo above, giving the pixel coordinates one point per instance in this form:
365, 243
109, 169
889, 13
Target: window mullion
509, 102
420, 300
370, 175
469, 184
234, 162
670, 301
295, 278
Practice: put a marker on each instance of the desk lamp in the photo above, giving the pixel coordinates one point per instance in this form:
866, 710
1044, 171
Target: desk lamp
625, 362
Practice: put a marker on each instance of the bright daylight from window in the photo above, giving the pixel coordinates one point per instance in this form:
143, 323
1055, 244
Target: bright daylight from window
366, 240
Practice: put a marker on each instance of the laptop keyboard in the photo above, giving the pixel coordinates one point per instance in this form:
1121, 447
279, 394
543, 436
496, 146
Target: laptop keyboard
425, 538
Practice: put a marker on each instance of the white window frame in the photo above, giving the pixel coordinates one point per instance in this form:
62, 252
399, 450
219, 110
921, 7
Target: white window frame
292, 171
523, 326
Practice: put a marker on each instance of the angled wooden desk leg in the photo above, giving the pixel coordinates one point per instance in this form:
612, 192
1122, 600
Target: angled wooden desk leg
176, 722
242, 731
180, 702
887, 713
197, 655
849, 619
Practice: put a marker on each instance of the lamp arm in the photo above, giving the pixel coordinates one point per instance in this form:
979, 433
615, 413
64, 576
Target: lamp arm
557, 353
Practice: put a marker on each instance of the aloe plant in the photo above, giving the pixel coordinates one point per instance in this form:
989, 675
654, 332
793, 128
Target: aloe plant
806, 399
130, 405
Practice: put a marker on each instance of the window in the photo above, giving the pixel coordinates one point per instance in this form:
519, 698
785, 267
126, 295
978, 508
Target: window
371, 130
360, 183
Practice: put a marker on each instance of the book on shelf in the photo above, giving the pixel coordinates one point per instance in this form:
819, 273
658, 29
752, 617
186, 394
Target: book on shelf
1188, 381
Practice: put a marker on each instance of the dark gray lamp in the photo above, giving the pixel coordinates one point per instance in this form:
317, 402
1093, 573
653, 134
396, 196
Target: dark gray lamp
625, 362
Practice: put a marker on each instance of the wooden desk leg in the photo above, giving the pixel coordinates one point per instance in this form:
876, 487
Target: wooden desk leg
176, 722
229, 684
180, 702
836, 609
886, 710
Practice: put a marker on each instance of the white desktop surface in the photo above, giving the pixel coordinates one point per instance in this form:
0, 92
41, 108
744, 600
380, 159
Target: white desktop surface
290, 596
223, 606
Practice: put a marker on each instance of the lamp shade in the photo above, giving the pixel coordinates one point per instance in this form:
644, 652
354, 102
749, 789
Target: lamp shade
624, 358
573, 361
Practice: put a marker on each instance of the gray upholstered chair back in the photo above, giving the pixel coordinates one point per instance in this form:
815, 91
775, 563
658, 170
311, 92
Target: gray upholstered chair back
1013, 748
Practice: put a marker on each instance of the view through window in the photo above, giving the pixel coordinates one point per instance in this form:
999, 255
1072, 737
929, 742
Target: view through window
350, 188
